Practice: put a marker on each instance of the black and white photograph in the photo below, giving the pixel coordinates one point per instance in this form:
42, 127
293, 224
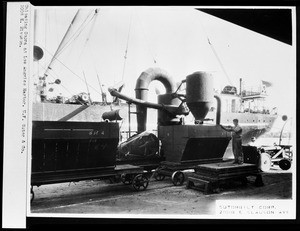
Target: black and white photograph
152, 112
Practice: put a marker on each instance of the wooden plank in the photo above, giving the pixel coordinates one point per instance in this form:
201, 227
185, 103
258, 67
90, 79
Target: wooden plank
224, 165
211, 184
213, 176
226, 171
229, 172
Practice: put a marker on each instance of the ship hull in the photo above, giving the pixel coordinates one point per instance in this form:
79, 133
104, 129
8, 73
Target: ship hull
253, 124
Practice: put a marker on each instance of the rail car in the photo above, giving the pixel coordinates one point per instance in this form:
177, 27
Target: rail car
74, 151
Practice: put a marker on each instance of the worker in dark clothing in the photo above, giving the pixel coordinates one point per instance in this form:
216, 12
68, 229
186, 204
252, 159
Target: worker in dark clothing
236, 133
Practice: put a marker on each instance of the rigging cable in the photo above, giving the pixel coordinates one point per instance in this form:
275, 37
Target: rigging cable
60, 83
93, 20
92, 55
98, 78
125, 56
89, 33
215, 53
219, 60
151, 51
63, 44
70, 70
85, 45
93, 25
76, 34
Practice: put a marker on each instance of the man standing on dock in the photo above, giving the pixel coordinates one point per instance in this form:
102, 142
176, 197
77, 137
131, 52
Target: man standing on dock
236, 133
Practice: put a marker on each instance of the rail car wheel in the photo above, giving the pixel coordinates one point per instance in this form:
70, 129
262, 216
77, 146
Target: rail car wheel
140, 182
265, 162
158, 176
284, 164
178, 178
126, 179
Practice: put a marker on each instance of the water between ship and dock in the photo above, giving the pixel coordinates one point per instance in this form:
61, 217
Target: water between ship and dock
160, 197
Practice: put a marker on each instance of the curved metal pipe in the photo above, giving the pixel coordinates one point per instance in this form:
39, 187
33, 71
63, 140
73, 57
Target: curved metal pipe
138, 102
142, 88
151, 74
218, 117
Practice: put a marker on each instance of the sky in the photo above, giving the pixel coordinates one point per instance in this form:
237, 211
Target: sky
176, 38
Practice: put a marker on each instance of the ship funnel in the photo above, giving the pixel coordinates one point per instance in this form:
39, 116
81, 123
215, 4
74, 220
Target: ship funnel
142, 88
199, 93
